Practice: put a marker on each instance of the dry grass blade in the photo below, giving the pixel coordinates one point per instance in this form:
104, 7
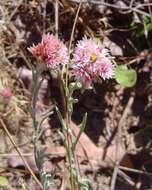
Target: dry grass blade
71, 39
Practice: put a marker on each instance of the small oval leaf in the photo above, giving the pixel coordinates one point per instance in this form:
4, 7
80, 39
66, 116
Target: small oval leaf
3, 181
124, 76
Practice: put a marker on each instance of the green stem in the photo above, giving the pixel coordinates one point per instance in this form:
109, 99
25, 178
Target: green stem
35, 88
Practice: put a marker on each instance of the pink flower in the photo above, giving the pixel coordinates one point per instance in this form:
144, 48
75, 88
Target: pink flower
6, 93
50, 51
91, 60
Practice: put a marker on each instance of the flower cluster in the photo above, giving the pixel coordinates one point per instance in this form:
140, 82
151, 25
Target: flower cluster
91, 60
50, 51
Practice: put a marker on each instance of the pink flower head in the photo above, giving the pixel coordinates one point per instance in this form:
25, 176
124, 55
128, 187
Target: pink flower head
50, 51
6, 93
90, 60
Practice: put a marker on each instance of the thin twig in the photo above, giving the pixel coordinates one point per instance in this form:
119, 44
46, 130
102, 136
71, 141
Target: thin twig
125, 9
126, 178
144, 5
44, 16
126, 111
150, 10
114, 177
135, 170
13, 154
74, 25
4, 169
56, 8
20, 154
14, 11
88, 31
131, 3
119, 128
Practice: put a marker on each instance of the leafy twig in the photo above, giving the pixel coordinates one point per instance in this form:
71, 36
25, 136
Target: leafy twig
83, 125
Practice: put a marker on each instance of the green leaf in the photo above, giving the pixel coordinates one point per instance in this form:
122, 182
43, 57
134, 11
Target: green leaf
124, 76
149, 27
3, 181
146, 19
82, 127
